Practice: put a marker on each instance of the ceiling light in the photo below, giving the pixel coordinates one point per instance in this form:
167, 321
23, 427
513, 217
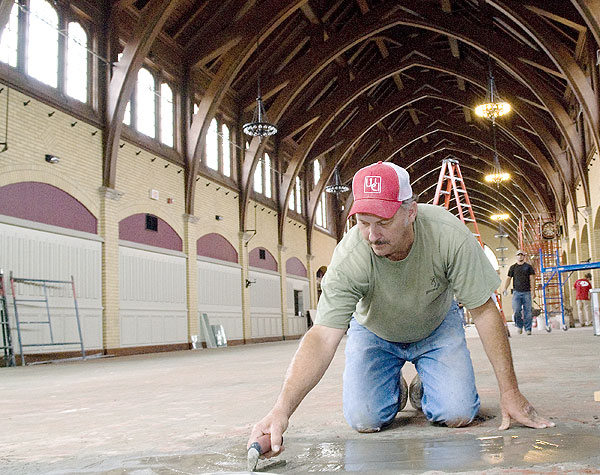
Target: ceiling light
493, 107
337, 186
260, 125
500, 217
492, 110
497, 177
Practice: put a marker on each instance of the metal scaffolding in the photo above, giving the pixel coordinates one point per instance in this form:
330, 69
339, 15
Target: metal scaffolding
44, 283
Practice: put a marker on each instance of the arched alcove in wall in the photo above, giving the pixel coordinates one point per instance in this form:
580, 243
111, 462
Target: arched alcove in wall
148, 229
262, 258
294, 266
44, 203
216, 246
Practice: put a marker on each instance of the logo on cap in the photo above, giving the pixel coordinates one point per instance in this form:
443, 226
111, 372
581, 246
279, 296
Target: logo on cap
372, 184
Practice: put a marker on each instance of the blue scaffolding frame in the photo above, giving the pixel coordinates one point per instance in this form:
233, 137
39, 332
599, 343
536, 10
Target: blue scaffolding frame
557, 271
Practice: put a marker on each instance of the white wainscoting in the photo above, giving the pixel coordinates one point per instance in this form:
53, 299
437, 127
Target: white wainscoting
152, 297
297, 325
265, 303
220, 296
53, 254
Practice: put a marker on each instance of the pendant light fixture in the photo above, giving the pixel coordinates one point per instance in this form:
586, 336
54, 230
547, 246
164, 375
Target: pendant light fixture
337, 186
493, 107
260, 125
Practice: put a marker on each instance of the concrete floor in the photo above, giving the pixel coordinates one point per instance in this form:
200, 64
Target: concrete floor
191, 412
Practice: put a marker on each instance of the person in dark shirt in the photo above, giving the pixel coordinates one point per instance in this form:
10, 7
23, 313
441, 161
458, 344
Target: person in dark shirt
523, 277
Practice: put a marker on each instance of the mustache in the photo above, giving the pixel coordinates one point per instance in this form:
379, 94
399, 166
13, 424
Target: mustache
379, 242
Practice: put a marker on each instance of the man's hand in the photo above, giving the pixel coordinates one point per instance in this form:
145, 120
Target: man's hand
514, 406
312, 358
275, 425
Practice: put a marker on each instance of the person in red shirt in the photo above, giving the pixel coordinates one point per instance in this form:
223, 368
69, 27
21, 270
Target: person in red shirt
582, 287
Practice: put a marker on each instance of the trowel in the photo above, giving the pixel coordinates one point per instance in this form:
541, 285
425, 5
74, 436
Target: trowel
261, 446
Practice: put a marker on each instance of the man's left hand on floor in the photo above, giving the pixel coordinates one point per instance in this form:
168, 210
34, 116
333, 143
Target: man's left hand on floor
515, 406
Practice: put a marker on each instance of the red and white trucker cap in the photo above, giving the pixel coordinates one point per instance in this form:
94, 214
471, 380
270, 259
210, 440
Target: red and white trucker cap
380, 189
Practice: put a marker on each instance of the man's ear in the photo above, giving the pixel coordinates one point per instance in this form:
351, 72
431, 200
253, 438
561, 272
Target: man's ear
412, 211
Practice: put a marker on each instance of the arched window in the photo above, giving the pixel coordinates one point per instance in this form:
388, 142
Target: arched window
267, 172
212, 145
127, 116
145, 103
316, 172
42, 49
77, 62
10, 39
321, 211
258, 178
298, 195
321, 214
31, 42
226, 151
167, 114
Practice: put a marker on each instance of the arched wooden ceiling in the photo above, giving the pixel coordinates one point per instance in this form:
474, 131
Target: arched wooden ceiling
356, 81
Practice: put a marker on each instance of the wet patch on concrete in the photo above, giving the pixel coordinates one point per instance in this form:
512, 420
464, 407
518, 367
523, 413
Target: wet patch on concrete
519, 451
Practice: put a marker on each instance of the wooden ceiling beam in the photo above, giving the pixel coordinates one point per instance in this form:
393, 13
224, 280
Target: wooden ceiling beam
310, 14
202, 47
187, 21
124, 77
413, 136
363, 6
361, 127
564, 60
260, 21
294, 79
590, 12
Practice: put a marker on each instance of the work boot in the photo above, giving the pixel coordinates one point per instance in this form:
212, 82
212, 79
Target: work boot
403, 393
416, 392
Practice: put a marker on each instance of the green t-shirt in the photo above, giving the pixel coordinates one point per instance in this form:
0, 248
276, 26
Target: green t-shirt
405, 301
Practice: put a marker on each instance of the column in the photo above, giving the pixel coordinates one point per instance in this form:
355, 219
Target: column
189, 247
283, 290
108, 225
312, 282
246, 318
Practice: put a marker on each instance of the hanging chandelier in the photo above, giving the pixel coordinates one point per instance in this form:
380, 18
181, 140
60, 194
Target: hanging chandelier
497, 177
260, 125
337, 186
493, 107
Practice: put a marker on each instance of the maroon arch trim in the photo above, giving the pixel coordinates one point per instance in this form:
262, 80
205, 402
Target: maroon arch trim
294, 266
44, 203
133, 228
255, 260
216, 246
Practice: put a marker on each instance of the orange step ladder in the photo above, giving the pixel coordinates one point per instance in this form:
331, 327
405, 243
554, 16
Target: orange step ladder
451, 184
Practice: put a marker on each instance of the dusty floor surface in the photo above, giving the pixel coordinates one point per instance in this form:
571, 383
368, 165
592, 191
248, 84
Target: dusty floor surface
191, 412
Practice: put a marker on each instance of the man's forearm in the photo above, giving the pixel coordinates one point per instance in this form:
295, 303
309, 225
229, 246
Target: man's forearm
492, 332
308, 366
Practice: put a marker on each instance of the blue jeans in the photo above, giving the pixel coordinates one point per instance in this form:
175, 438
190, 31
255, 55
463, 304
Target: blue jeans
373, 370
521, 304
